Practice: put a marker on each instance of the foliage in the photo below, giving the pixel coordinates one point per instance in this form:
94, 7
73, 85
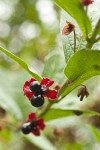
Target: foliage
69, 125
75, 9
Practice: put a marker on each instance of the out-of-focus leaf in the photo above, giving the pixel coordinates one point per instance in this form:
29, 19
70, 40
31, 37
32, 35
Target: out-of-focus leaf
82, 66
96, 133
10, 138
60, 113
41, 142
69, 121
20, 62
10, 105
54, 66
76, 10
18, 94
74, 146
12, 97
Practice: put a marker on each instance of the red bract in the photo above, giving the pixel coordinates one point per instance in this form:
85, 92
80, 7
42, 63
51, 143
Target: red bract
26, 88
87, 2
45, 84
37, 124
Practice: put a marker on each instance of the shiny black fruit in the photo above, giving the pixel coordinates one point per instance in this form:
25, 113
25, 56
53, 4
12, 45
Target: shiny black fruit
37, 100
26, 128
35, 87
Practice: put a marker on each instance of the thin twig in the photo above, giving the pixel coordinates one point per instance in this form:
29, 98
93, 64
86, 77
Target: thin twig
65, 85
46, 108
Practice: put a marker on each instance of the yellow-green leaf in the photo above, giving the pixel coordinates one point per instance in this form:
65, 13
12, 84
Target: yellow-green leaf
20, 62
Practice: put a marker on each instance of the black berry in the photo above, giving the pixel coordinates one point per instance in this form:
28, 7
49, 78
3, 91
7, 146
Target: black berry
37, 100
26, 128
36, 87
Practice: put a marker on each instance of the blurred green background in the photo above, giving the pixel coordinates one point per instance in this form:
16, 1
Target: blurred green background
30, 30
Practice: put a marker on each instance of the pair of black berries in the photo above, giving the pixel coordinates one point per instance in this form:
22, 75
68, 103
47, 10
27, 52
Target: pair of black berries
29, 127
37, 99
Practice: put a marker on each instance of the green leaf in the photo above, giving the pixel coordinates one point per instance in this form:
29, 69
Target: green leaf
76, 10
54, 66
41, 142
20, 62
83, 65
60, 113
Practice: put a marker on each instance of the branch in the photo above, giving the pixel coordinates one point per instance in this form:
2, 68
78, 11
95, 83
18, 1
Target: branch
92, 39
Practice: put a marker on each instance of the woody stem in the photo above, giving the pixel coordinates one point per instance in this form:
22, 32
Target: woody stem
92, 39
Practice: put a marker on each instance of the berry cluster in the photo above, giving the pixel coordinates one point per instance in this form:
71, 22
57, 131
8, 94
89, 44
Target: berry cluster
33, 125
37, 99
36, 91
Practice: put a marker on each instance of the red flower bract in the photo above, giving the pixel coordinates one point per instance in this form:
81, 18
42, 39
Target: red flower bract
45, 82
38, 123
87, 2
